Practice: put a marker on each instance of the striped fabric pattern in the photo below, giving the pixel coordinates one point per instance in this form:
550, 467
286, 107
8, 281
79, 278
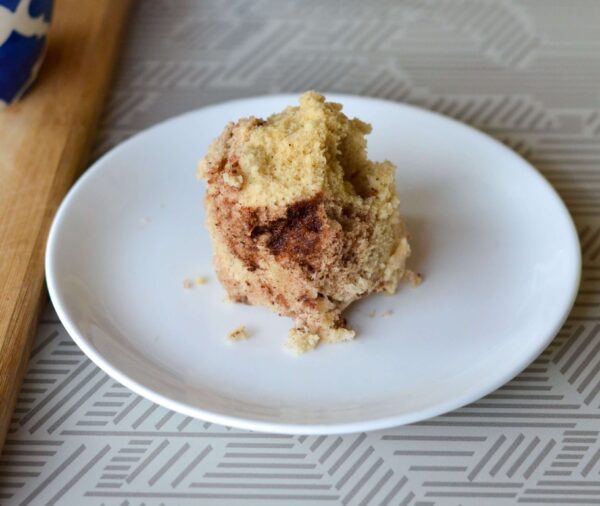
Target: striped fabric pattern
526, 72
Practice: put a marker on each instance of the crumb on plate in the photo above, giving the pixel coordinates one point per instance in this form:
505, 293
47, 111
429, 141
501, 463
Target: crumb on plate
389, 312
300, 341
200, 280
187, 284
414, 278
239, 334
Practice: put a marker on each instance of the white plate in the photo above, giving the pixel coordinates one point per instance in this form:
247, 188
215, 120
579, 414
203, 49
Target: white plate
497, 247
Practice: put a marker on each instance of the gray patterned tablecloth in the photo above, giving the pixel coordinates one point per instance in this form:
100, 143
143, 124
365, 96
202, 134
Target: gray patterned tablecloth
526, 72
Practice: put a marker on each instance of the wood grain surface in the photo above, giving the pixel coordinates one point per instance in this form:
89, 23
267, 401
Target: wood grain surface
44, 144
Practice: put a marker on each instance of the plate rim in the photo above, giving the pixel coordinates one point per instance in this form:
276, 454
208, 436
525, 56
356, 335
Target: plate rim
248, 423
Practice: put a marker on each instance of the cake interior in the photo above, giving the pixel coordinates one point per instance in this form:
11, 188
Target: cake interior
301, 220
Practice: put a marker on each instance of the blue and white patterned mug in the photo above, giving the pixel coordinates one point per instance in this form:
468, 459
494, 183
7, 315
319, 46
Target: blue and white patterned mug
23, 28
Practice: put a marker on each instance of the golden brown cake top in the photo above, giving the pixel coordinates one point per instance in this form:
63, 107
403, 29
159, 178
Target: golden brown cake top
303, 151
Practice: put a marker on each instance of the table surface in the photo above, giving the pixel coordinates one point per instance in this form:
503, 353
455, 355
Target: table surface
527, 73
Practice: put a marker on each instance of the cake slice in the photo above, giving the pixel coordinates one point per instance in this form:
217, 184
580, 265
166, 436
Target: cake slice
301, 221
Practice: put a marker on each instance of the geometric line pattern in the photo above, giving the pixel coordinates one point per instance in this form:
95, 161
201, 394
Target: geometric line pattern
527, 73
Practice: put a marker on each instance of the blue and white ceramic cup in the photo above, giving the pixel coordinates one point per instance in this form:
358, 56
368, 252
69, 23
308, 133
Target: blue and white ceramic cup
23, 28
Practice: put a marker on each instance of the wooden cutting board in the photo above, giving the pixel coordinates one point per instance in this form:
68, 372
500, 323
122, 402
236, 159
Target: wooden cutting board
44, 144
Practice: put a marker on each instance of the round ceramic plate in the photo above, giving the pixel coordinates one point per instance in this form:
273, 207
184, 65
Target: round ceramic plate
497, 248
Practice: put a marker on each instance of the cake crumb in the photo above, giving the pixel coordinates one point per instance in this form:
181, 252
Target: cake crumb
300, 341
200, 280
414, 278
239, 334
187, 284
372, 314
387, 313
336, 335
234, 180
199, 171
